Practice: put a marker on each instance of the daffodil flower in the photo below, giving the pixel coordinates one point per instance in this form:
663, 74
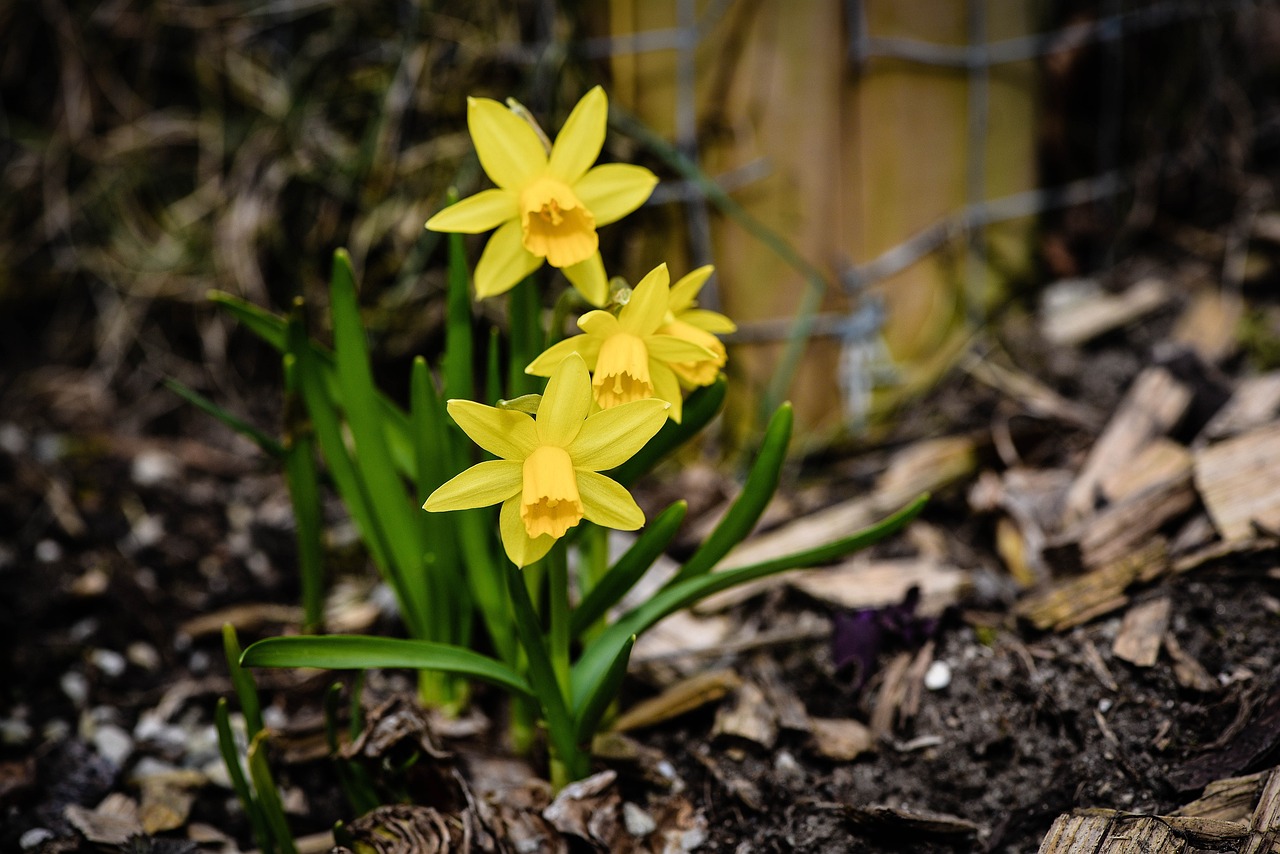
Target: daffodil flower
546, 206
548, 475
630, 359
698, 325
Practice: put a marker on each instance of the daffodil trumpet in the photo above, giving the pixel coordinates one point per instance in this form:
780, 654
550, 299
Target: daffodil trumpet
547, 475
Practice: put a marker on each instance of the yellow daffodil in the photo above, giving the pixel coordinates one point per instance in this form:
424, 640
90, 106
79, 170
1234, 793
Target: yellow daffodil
548, 478
546, 206
698, 325
630, 358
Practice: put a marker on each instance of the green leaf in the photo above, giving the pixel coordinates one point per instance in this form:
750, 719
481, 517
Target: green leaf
304, 493
597, 699
227, 747
269, 795
396, 510
629, 569
272, 330
596, 660
246, 691
359, 652
244, 428
757, 492
541, 672
701, 406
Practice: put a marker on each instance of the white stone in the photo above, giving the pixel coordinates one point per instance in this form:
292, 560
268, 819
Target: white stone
47, 551
639, 823
75, 686
154, 467
110, 662
33, 837
938, 676
113, 743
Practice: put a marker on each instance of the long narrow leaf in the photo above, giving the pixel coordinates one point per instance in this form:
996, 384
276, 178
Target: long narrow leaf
395, 509
702, 405
269, 795
597, 699
599, 656
244, 428
246, 691
272, 330
757, 492
360, 652
227, 747
541, 673
629, 569
304, 493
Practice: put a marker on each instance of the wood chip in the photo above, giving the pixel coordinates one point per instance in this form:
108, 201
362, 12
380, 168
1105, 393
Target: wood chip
780, 694
1154, 404
1142, 632
112, 823
1121, 527
1078, 310
1209, 324
1160, 461
1073, 832
1239, 482
747, 716
1189, 672
1266, 815
682, 697
893, 690
841, 739
1078, 600
245, 618
1229, 799
1255, 403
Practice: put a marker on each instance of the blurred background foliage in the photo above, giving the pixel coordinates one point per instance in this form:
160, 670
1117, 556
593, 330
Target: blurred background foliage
152, 151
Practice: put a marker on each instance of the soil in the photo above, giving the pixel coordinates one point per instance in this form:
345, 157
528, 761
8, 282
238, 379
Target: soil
119, 543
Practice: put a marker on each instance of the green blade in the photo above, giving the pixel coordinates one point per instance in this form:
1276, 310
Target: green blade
624, 574
598, 698
599, 656
757, 492
360, 652
244, 428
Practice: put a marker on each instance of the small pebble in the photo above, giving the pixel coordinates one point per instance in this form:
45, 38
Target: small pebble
84, 629
12, 440
48, 551
110, 662
146, 532
1104, 705
938, 676
787, 767
113, 744
154, 467
638, 822
143, 655
75, 686
149, 766
33, 837
49, 447
198, 664
14, 731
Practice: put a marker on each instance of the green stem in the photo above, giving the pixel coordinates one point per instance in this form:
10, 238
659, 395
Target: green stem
558, 599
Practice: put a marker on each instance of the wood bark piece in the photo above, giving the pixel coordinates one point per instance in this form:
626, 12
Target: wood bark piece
1161, 461
684, 696
1152, 407
1077, 311
1078, 600
841, 739
1074, 833
1255, 403
1189, 672
1142, 632
1266, 815
1118, 529
781, 696
1239, 482
1208, 324
747, 716
1228, 799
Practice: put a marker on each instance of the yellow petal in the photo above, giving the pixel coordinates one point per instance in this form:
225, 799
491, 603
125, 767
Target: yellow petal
584, 345
579, 142
622, 371
549, 501
607, 503
685, 291
504, 262
708, 321
474, 214
509, 150
599, 323
612, 436
667, 387
614, 190
555, 224
589, 279
647, 308
506, 433
670, 348
565, 402
521, 549
479, 486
